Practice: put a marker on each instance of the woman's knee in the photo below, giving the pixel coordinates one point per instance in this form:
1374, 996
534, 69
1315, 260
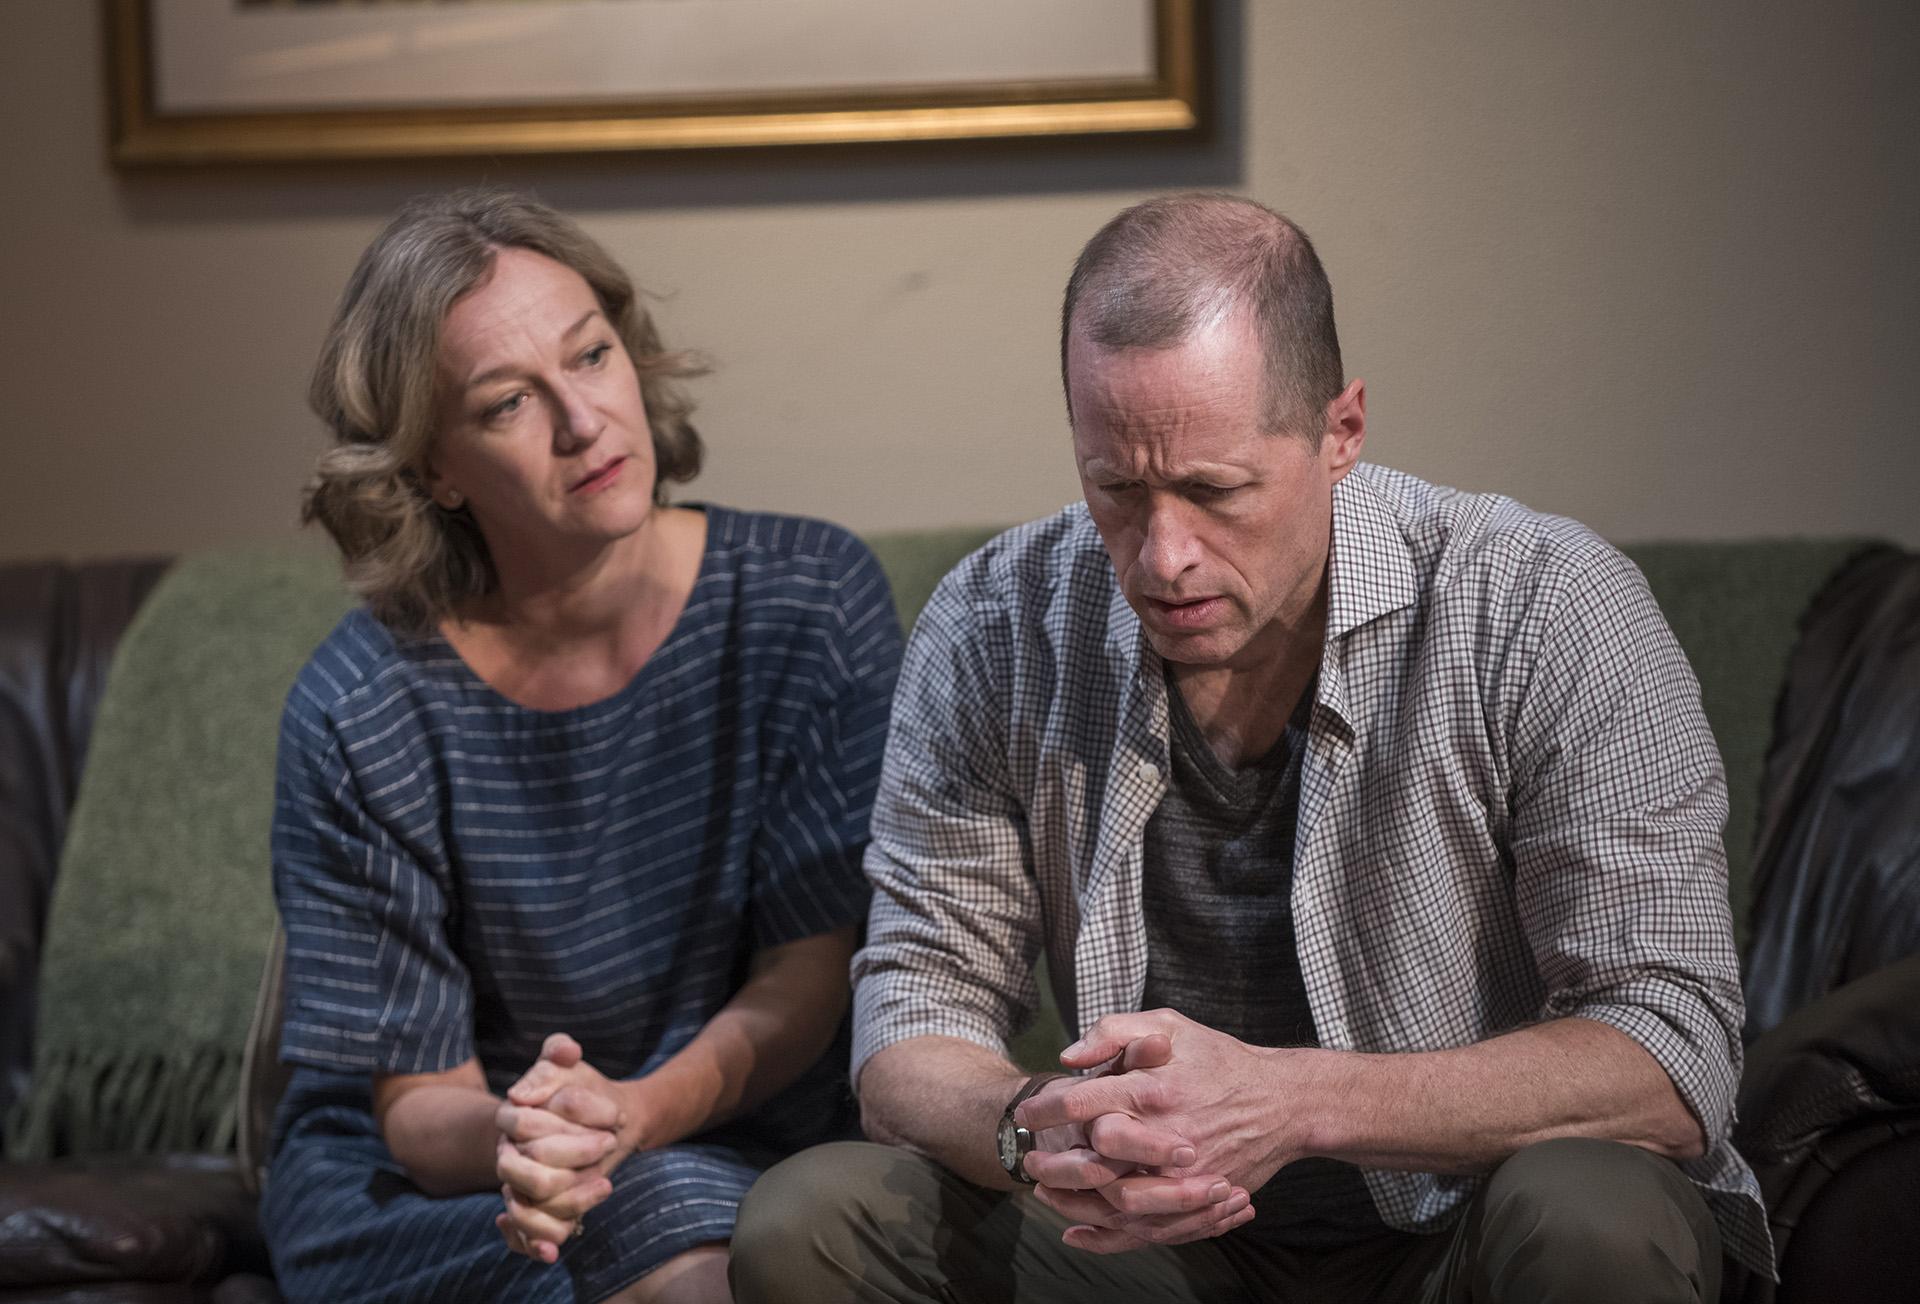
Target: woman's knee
695, 1276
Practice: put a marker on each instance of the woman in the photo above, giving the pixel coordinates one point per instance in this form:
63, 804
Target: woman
569, 813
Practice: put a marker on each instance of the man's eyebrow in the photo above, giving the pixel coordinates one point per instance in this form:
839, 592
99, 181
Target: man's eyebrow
1205, 473
504, 372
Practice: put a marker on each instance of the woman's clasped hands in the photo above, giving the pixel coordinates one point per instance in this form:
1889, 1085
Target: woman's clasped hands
563, 1130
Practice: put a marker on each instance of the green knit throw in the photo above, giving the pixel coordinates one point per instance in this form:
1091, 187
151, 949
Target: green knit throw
163, 910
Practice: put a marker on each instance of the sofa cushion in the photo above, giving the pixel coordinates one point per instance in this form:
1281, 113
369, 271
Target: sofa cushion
917, 560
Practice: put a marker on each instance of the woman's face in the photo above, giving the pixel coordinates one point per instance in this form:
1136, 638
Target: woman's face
541, 429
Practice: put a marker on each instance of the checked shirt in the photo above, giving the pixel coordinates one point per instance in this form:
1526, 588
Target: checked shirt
1511, 809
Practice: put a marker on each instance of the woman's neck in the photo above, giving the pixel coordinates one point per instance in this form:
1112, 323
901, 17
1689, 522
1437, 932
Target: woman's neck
564, 634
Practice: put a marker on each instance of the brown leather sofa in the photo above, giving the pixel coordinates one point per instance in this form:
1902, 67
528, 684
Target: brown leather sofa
169, 1230
1830, 1106
58, 628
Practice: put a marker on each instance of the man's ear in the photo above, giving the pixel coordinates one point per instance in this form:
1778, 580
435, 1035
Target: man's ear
1345, 431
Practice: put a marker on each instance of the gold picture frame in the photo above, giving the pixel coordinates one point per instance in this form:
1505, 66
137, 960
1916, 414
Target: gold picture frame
1163, 98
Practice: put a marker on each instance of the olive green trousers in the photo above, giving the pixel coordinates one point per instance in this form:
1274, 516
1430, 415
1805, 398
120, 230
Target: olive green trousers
1562, 1221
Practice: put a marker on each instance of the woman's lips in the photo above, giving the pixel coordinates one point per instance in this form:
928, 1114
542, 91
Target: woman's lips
600, 479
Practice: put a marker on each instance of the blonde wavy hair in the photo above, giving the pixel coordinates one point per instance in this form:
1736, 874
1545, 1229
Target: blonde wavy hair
411, 560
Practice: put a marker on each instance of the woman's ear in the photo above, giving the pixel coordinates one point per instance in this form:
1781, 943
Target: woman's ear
442, 493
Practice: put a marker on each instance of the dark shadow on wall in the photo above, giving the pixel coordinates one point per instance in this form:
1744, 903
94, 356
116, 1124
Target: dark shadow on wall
588, 183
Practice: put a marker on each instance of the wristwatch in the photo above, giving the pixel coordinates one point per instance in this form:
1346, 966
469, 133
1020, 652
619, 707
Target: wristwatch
1016, 1142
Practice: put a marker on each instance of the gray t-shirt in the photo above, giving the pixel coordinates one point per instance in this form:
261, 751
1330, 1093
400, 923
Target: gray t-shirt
1217, 897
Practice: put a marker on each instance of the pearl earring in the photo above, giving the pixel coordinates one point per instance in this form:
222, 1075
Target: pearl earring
454, 499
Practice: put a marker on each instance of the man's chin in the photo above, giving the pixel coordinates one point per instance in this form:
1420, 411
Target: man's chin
1199, 648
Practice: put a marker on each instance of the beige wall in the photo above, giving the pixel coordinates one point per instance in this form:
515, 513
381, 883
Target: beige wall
1648, 262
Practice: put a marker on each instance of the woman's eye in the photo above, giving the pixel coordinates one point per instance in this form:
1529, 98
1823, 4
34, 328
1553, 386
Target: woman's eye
505, 407
594, 356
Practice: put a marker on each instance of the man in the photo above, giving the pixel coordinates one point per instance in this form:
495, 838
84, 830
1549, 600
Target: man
1372, 834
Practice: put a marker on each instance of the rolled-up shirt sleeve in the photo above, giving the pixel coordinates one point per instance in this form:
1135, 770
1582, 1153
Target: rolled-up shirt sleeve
1619, 809
954, 927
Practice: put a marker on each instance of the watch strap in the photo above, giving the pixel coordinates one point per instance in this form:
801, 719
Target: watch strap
1027, 1089
1017, 1171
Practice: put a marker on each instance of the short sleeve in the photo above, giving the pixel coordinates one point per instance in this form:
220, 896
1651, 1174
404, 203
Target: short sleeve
372, 983
807, 877
1618, 811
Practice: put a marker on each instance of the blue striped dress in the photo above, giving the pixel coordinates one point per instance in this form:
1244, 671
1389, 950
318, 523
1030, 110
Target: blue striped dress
460, 876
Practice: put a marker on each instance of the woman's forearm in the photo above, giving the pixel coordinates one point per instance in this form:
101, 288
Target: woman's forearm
441, 1127
778, 1024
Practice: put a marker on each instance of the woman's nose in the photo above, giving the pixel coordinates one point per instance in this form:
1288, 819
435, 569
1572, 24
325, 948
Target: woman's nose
578, 422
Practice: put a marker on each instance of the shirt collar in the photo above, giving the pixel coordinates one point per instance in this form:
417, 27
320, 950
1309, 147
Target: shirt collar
1370, 567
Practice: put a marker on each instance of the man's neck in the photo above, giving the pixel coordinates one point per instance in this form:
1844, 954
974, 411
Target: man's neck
1243, 711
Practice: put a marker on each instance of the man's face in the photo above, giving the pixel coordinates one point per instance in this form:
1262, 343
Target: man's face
1217, 527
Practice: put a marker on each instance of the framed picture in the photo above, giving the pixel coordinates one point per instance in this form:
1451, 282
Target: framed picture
197, 81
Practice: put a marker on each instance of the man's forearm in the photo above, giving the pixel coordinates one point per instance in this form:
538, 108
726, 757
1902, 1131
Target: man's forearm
1465, 1110
941, 1097
1250, 1111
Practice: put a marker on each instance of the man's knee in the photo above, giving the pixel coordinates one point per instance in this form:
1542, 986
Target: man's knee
809, 1222
808, 1197
1577, 1219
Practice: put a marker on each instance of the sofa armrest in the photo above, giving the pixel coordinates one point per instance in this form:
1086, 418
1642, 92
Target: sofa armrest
59, 626
1849, 1056
263, 1078
177, 1219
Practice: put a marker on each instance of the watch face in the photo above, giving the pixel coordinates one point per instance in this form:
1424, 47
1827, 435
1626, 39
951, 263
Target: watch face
1009, 1147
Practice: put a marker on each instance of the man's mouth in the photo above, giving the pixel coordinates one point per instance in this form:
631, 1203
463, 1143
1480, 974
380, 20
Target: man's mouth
1186, 613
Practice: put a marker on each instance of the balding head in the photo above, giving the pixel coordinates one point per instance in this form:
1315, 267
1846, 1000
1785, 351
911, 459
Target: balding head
1168, 267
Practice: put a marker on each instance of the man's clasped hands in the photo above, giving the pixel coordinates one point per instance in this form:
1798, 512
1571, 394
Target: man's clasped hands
1166, 1145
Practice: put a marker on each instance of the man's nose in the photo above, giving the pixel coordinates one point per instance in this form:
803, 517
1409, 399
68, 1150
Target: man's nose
1167, 546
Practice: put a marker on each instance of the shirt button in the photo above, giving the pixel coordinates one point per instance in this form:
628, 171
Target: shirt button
1148, 772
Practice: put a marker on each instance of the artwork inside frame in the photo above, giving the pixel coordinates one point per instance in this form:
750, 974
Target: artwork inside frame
201, 81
